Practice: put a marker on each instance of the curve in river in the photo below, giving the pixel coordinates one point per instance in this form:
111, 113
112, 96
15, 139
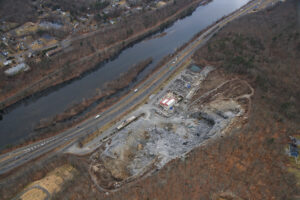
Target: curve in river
18, 122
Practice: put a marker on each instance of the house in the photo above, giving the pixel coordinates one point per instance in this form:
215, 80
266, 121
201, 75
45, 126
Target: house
7, 62
5, 53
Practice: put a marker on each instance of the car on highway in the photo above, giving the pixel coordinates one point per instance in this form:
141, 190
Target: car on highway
174, 61
136, 90
97, 116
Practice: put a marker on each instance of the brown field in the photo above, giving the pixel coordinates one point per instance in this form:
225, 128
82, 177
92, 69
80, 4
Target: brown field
52, 183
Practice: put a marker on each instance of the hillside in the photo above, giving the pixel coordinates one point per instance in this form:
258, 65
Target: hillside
265, 48
260, 51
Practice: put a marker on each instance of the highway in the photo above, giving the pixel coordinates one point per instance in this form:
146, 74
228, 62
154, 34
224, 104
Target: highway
20, 156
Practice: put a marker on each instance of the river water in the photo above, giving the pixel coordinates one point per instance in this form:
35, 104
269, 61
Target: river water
19, 121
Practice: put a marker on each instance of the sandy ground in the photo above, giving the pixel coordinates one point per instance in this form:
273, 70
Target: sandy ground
43, 189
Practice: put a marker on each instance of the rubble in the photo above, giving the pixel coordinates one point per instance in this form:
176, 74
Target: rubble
160, 135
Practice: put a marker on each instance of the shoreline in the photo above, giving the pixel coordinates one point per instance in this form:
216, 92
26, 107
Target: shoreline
163, 61
49, 83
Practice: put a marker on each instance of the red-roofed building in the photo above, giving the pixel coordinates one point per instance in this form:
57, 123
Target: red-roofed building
167, 103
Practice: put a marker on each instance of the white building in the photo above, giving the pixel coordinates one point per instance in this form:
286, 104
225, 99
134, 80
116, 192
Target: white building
16, 69
7, 62
167, 103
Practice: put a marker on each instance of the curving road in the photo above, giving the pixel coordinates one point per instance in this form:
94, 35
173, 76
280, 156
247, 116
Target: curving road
20, 156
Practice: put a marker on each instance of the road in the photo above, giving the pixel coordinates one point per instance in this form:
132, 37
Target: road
20, 156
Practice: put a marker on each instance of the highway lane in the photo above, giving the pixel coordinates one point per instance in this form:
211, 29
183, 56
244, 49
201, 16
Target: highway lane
20, 156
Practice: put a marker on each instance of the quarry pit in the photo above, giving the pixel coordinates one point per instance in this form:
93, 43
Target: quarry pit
198, 105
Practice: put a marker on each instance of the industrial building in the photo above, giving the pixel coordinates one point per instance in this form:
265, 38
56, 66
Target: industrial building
167, 103
169, 100
16, 69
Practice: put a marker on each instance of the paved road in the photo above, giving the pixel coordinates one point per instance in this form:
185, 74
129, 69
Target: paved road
22, 155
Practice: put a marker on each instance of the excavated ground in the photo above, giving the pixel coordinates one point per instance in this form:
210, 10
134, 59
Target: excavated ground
211, 104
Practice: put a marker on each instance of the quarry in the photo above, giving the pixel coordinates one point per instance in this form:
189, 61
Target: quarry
216, 118
198, 105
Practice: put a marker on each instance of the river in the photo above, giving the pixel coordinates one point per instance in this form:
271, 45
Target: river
19, 121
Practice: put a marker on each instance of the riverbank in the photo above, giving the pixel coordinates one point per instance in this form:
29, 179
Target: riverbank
98, 48
103, 99
92, 108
